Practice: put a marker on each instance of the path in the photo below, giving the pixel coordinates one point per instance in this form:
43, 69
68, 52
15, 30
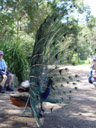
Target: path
80, 113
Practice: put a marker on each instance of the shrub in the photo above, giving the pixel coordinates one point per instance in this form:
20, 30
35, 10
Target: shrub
15, 56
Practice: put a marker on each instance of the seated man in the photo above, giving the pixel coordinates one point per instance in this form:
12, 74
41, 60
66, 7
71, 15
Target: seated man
92, 76
4, 73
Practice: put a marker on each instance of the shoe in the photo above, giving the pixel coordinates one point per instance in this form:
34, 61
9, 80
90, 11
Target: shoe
9, 88
2, 90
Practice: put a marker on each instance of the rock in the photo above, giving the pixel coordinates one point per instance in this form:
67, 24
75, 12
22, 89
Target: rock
15, 81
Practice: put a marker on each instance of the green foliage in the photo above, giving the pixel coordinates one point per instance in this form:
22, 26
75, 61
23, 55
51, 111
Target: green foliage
23, 18
15, 56
88, 61
75, 58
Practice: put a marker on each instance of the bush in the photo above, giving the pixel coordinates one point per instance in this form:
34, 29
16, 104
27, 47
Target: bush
88, 61
16, 58
75, 58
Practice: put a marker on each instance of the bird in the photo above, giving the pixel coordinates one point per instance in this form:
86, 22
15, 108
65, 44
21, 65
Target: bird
24, 87
19, 98
45, 73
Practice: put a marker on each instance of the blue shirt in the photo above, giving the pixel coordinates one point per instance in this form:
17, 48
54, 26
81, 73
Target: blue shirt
2, 64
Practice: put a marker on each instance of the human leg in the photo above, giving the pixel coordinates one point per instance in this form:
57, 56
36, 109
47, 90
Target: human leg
93, 80
90, 80
10, 79
2, 90
9, 88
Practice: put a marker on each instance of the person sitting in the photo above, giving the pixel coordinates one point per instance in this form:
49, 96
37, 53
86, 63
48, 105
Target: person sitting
4, 73
92, 75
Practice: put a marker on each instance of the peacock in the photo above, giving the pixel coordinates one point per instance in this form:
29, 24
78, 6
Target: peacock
47, 72
48, 54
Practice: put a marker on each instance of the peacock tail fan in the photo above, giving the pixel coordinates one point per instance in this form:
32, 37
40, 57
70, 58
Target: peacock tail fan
48, 76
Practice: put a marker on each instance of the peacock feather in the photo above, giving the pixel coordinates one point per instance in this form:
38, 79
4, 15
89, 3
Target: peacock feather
47, 78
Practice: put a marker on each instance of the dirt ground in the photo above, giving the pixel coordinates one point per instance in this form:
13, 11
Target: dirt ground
79, 113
